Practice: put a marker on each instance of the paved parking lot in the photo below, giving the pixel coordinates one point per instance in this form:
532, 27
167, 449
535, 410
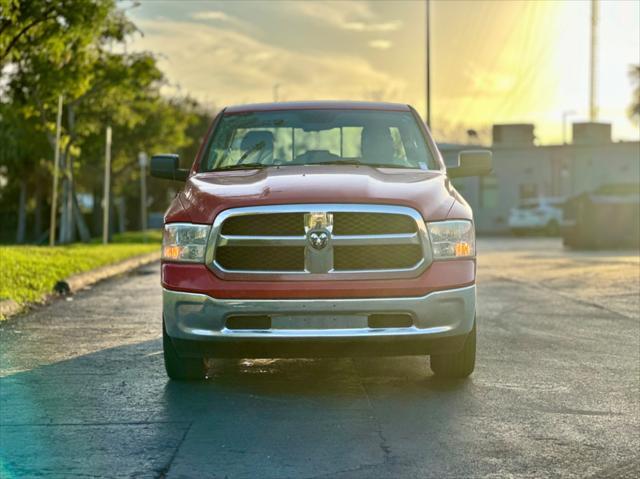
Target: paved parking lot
556, 391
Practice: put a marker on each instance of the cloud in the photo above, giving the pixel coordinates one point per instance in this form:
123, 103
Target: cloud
490, 83
224, 66
354, 16
210, 15
372, 27
380, 44
217, 16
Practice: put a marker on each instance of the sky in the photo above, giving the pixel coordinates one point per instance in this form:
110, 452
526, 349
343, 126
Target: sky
497, 61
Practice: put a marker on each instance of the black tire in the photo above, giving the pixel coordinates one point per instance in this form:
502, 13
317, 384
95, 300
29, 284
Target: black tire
181, 369
457, 365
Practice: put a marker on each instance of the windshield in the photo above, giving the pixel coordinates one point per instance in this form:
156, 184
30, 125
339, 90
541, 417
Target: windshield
314, 137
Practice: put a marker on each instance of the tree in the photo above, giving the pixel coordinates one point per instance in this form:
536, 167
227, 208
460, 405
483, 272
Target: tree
24, 154
70, 47
30, 26
634, 108
54, 48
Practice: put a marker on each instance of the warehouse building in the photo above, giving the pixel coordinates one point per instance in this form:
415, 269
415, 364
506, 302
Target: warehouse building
522, 170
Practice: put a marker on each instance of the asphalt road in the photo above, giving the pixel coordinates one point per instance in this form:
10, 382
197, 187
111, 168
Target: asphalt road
556, 391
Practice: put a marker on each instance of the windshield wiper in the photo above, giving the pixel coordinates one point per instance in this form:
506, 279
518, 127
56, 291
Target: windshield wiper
243, 166
343, 161
352, 161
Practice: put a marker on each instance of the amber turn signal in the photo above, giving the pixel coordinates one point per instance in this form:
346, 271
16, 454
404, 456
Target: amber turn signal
462, 249
172, 252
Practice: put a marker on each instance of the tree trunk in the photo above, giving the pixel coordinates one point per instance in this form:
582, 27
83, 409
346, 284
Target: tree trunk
85, 236
112, 218
37, 220
71, 196
71, 190
22, 213
96, 220
62, 231
121, 212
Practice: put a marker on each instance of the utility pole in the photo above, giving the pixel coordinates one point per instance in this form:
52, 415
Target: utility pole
107, 188
593, 84
428, 64
142, 159
276, 88
56, 165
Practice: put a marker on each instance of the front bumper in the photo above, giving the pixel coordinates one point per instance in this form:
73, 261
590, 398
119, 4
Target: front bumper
197, 325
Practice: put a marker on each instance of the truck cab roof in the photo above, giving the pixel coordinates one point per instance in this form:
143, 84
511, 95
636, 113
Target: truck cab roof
317, 105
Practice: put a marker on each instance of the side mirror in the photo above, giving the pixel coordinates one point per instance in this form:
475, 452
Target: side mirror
166, 166
472, 163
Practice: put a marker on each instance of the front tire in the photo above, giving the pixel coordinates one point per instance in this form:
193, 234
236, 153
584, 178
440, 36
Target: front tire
180, 369
457, 365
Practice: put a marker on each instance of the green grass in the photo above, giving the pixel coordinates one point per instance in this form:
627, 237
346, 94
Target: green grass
150, 236
29, 272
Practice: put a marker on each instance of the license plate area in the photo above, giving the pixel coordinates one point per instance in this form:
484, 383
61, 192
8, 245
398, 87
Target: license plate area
303, 322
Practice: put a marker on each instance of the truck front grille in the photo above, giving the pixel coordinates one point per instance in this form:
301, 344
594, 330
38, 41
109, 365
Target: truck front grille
288, 224
327, 239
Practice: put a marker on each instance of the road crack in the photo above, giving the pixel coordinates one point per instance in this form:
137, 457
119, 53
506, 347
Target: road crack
383, 443
583, 302
165, 470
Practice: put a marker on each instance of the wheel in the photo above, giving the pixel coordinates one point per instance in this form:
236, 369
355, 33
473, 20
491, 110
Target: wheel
181, 369
459, 364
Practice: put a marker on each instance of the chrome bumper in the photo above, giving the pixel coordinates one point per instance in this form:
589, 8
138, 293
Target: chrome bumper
198, 317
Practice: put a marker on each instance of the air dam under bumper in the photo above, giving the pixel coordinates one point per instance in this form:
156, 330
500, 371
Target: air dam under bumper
196, 324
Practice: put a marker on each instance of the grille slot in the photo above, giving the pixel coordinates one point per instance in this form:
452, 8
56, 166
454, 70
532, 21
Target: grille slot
390, 320
349, 223
273, 224
261, 258
376, 257
248, 322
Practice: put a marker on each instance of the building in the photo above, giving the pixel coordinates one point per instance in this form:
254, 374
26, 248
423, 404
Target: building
523, 170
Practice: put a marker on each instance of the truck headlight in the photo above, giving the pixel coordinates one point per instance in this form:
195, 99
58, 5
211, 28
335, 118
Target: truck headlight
452, 239
185, 242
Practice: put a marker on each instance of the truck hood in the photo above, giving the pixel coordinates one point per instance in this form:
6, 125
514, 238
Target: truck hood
207, 194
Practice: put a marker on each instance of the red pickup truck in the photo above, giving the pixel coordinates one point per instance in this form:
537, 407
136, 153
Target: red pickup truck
319, 229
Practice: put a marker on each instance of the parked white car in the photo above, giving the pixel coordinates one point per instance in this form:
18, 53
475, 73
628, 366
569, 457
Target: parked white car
542, 215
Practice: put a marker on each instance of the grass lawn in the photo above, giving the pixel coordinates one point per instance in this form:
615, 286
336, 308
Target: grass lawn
28, 272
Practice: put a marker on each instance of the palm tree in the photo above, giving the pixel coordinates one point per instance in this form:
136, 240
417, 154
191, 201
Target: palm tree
634, 108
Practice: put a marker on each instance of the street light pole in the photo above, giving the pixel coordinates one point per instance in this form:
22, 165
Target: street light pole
428, 63
107, 187
593, 76
56, 167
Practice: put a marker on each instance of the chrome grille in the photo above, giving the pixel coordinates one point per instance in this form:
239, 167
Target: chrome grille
365, 241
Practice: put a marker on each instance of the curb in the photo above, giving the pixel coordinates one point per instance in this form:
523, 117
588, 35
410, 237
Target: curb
8, 307
79, 281
82, 280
